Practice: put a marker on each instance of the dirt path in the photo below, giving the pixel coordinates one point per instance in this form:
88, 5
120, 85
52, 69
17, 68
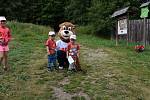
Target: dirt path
91, 57
61, 95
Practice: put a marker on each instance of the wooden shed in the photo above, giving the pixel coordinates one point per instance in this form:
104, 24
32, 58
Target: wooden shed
133, 30
122, 20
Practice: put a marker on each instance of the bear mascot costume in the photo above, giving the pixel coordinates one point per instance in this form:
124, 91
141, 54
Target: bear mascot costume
66, 30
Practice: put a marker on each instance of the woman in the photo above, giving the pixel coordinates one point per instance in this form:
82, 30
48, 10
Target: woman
5, 37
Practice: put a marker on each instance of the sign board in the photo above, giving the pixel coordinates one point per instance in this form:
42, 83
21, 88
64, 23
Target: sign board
122, 26
144, 12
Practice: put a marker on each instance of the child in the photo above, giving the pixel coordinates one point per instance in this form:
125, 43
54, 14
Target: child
5, 37
51, 50
73, 52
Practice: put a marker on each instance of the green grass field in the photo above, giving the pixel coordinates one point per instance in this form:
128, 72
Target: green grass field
110, 72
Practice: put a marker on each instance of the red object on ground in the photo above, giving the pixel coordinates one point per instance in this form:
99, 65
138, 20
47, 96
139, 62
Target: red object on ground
139, 48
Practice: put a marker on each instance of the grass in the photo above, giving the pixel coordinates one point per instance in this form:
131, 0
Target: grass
27, 47
131, 69
111, 72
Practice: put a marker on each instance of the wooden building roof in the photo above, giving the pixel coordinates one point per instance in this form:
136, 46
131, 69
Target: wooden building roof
145, 4
120, 12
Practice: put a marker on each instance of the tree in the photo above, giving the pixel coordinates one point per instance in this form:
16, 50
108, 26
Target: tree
99, 14
7, 8
76, 10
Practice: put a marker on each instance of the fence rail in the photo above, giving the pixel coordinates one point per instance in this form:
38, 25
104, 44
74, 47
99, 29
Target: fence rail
136, 30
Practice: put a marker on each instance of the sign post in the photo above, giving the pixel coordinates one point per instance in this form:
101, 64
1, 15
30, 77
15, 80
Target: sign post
122, 20
144, 14
121, 28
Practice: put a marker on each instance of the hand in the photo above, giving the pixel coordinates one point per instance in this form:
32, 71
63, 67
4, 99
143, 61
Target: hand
48, 53
78, 55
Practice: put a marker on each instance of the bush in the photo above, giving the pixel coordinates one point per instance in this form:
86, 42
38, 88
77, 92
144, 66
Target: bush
85, 29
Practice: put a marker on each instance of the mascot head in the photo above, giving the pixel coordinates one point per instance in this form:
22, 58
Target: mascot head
66, 30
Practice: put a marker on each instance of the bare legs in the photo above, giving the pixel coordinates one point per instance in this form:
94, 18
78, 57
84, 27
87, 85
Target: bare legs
4, 59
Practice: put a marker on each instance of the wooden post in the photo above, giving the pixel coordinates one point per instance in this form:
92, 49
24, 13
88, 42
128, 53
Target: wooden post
127, 31
117, 33
144, 32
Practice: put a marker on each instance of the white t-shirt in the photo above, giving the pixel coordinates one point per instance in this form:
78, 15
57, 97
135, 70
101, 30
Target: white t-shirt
60, 45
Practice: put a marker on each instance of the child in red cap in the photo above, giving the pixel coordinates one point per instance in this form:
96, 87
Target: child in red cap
51, 50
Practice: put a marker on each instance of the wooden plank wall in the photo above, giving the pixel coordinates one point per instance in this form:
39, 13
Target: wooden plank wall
136, 31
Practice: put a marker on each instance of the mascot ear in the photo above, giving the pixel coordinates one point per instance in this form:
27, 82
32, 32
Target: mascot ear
73, 26
60, 25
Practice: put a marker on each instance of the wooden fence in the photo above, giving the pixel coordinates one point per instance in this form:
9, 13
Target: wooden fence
139, 31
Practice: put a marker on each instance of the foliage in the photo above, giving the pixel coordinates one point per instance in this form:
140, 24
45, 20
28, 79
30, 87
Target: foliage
93, 13
75, 11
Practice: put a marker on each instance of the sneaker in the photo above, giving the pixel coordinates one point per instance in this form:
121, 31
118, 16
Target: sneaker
60, 67
5, 68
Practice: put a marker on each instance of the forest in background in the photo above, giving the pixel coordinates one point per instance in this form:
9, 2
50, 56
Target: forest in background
93, 15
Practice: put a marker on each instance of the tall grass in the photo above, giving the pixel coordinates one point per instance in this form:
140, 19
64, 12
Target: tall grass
27, 37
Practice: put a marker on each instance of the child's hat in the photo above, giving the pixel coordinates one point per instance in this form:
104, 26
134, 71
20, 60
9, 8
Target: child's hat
73, 37
2, 18
51, 33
